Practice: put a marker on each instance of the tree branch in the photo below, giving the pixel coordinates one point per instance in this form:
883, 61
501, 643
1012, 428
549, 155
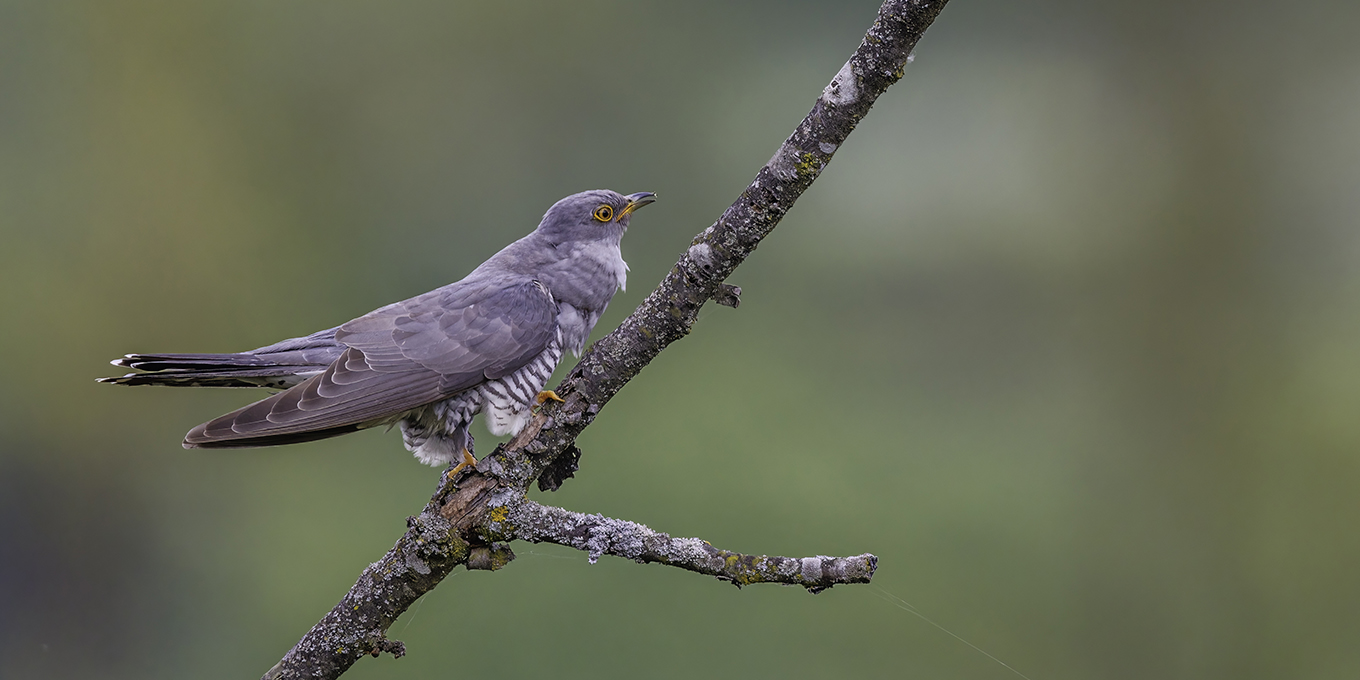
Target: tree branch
598, 535
468, 518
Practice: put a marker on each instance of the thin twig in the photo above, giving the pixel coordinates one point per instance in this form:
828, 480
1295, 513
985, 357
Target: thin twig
598, 535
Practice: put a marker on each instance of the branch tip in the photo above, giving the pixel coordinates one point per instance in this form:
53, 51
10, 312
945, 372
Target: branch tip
727, 295
599, 535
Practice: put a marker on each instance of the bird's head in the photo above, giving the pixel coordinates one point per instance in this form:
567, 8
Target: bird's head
599, 215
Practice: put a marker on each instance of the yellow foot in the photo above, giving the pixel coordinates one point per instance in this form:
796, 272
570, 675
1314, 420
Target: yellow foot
468, 461
546, 395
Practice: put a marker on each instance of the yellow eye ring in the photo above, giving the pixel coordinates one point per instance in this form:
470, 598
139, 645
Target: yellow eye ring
603, 213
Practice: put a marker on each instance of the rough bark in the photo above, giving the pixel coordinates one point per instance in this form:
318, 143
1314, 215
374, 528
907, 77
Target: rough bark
469, 519
598, 535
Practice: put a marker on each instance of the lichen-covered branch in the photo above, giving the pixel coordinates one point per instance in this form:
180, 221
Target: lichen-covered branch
455, 525
671, 310
358, 625
599, 535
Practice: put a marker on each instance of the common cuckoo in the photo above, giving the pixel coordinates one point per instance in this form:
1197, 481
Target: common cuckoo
487, 343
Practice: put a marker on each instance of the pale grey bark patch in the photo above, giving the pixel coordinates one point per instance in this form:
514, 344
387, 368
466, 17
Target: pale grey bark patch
598, 535
701, 254
843, 89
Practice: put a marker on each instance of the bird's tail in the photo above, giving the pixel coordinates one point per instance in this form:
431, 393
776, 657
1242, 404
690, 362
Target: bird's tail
212, 370
277, 366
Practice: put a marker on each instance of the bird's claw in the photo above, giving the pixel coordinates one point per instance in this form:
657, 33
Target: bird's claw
545, 395
469, 461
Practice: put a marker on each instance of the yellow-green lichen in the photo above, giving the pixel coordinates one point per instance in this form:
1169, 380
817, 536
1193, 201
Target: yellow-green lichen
808, 165
500, 558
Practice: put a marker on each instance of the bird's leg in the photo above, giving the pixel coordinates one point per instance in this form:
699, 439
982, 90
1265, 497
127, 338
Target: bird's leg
468, 461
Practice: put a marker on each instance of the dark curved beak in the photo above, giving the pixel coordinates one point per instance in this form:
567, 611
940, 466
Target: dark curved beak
636, 201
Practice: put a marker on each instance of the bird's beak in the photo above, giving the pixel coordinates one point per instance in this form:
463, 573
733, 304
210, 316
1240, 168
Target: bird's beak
636, 201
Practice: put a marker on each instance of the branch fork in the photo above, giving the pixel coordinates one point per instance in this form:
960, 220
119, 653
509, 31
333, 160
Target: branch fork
472, 518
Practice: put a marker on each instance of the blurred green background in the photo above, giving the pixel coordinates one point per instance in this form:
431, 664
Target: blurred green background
1068, 334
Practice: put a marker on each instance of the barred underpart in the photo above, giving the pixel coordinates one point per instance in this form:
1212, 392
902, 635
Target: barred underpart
438, 433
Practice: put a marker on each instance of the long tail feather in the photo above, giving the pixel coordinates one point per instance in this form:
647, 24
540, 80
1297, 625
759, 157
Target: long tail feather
160, 362
211, 370
277, 366
274, 377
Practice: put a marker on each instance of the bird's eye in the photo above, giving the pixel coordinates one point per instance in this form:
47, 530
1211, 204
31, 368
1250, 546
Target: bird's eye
604, 213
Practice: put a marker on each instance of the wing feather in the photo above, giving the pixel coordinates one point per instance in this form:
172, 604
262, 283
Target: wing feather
398, 358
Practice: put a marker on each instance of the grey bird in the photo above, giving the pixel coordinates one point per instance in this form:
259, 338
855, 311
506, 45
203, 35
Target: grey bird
487, 343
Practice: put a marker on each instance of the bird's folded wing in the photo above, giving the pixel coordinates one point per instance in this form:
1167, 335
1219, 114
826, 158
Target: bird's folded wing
398, 358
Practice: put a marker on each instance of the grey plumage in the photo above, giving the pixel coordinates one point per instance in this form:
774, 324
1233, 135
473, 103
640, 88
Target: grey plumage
432, 362
277, 366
